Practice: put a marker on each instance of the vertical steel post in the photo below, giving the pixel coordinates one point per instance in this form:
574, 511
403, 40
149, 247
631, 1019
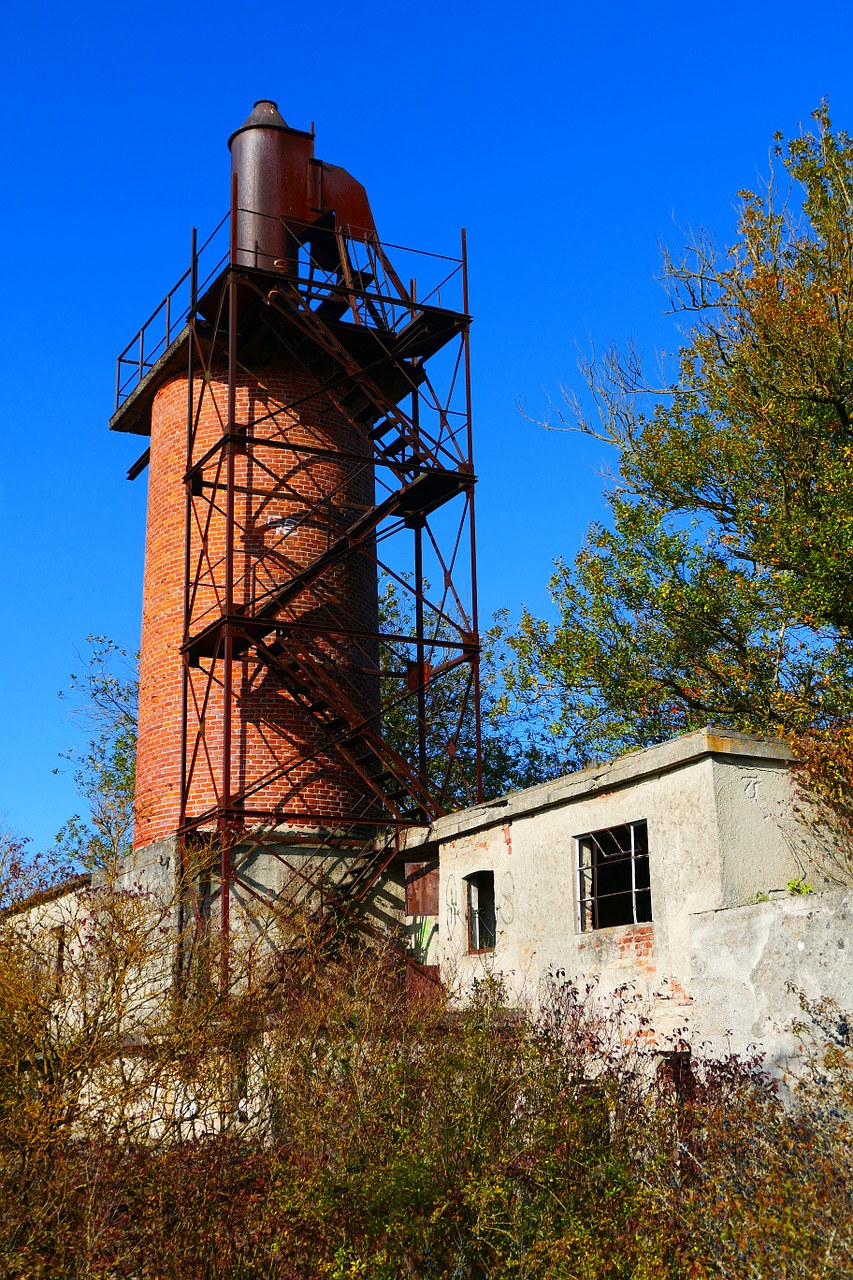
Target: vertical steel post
421, 657
183, 868
188, 516
420, 651
227, 641
475, 623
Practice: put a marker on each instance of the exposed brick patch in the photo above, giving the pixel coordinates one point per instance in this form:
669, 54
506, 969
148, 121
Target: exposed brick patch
636, 940
678, 993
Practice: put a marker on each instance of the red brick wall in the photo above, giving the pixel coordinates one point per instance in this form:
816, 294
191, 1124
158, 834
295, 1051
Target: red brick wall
321, 497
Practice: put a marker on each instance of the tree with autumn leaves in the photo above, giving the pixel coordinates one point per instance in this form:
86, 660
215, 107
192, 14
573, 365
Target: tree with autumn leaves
720, 590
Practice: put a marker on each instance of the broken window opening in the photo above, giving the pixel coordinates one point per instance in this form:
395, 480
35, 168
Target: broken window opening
58, 936
613, 877
482, 929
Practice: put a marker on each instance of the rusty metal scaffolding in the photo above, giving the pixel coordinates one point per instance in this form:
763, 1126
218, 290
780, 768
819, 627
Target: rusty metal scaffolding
393, 360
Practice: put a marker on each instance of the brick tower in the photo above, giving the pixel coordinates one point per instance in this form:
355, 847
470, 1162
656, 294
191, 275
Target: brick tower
295, 431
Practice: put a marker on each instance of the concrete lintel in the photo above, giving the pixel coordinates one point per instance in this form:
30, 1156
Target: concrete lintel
677, 753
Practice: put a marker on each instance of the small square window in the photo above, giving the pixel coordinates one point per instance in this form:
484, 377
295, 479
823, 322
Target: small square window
481, 911
613, 877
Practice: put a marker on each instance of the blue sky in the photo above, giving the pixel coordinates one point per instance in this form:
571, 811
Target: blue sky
569, 139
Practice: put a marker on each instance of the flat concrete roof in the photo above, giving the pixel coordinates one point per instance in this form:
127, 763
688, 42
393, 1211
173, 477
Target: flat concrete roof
677, 753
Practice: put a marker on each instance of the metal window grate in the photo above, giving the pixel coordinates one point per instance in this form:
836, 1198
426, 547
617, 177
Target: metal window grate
613, 877
482, 921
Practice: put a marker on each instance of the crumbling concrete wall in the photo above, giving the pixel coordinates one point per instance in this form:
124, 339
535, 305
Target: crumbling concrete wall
727, 947
749, 964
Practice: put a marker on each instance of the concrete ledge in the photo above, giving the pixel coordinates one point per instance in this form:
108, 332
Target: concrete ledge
622, 772
73, 884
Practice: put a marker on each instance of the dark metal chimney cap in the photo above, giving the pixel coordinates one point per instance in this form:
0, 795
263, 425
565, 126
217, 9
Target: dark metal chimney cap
264, 116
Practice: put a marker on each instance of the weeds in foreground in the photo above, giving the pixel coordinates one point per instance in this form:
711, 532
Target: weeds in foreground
330, 1126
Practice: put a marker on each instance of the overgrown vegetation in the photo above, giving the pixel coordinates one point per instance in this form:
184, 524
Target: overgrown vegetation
720, 590
102, 696
331, 1126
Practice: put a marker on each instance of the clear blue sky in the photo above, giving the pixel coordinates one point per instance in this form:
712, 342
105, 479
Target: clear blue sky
569, 138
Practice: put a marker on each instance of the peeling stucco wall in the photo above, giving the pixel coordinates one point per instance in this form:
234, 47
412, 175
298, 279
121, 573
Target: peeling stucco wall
748, 965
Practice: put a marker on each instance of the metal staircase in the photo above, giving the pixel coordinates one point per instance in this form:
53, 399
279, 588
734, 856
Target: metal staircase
365, 343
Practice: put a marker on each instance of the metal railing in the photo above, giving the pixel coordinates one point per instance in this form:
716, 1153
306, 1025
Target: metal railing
370, 288
167, 321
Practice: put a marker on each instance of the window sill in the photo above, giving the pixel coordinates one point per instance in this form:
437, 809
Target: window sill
617, 928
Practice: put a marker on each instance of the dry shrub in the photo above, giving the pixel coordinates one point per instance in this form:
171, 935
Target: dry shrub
824, 775
331, 1125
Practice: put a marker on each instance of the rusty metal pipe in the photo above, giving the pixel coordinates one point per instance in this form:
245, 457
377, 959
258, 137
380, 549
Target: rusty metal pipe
263, 152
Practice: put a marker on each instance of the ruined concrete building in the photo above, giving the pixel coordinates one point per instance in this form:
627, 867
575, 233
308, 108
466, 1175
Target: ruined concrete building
678, 870
678, 873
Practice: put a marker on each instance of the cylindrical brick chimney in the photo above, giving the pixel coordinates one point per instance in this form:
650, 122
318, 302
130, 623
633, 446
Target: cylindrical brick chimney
306, 477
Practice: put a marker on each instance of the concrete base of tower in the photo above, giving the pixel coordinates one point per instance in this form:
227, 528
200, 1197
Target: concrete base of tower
278, 892
153, 869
